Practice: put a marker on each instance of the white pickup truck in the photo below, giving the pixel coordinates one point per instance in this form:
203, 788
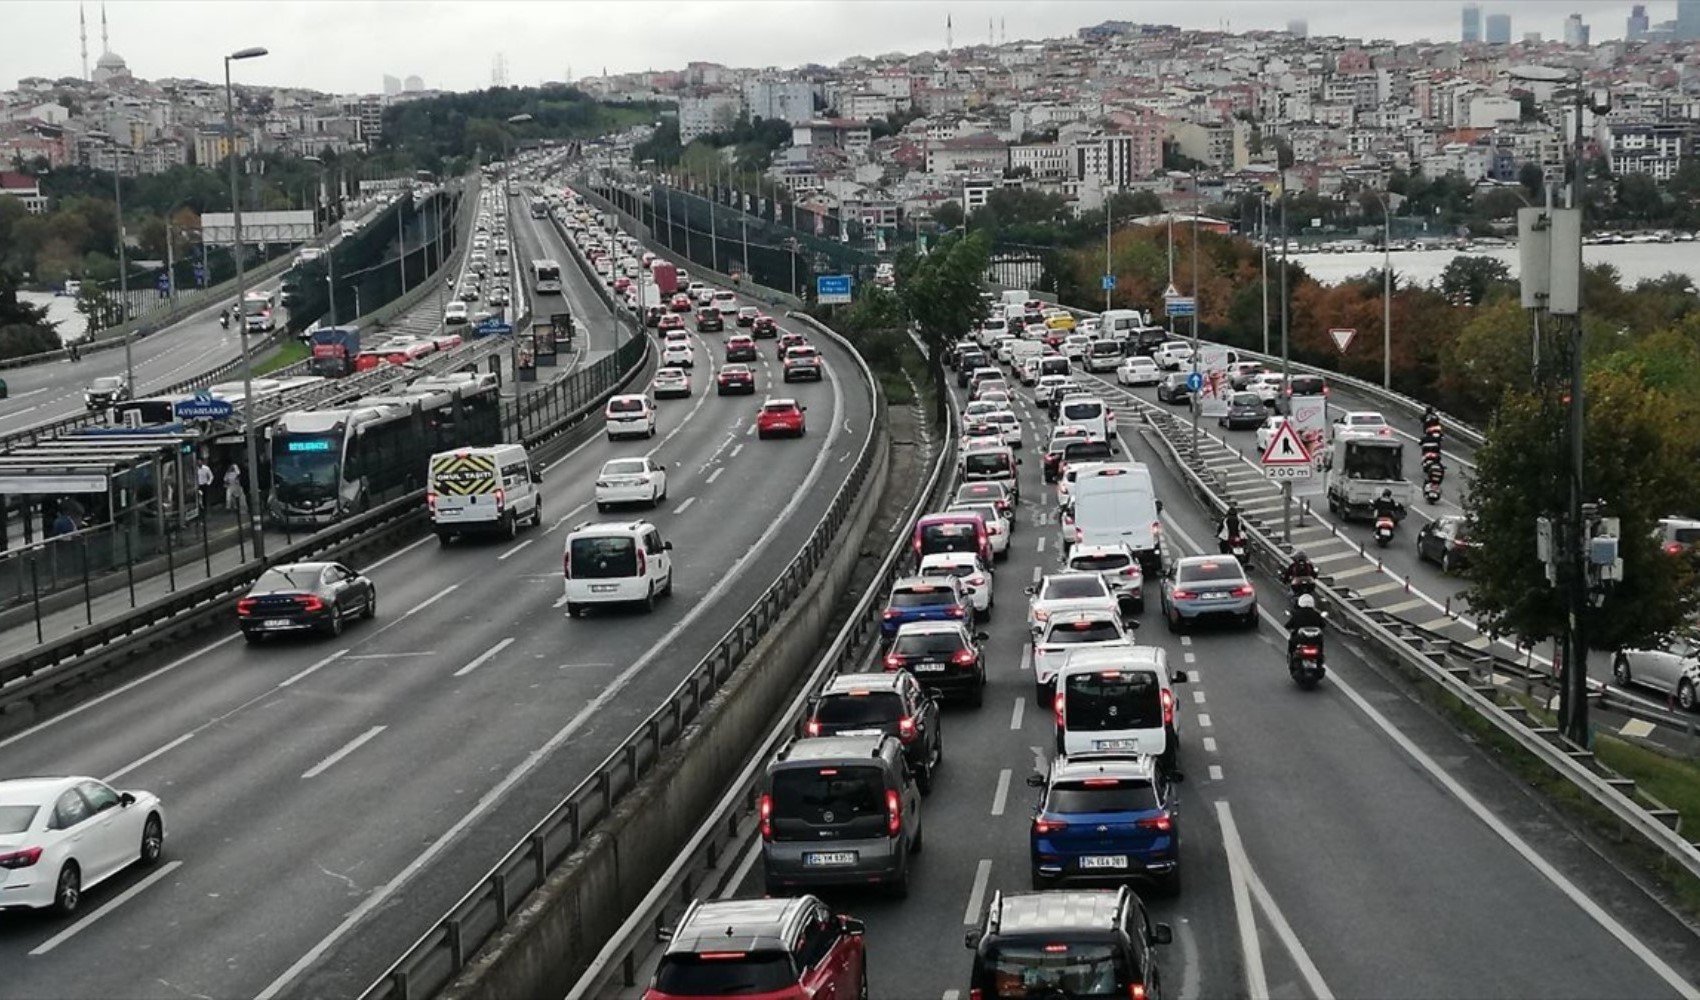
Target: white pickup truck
1359, 468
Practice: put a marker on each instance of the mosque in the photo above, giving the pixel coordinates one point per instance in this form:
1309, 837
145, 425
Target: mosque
110, 68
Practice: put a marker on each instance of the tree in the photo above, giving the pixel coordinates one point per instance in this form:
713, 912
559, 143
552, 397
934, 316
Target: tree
941, 290
1532, 178
949, 215
1639, 197
1469, 280
24, 329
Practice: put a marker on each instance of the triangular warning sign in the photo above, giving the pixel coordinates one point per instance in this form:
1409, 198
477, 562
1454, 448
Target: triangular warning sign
1342, 337
1285, 448
1171, 292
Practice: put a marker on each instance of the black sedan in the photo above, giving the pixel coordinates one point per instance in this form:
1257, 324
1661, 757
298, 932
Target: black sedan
1173, 389
305, 597
710, 321
1245, 409
1445, 541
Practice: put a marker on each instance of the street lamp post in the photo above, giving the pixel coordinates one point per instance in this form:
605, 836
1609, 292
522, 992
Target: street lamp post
123, 261
1386, 291
513, 337
255, 525
330, 248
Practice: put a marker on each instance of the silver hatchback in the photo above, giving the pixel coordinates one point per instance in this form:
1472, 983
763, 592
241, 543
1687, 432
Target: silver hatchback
840, 810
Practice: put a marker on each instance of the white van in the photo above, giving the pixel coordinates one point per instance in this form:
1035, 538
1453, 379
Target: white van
630, 415
1115, 502
1118, 699
477, 490
615, 563
990, 460
1121, 324
1090, 412
1103, 355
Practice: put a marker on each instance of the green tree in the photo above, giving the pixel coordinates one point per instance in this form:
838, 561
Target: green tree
949, 215
1470, 280
941, 290
24, 329
1532, 179
1639, 197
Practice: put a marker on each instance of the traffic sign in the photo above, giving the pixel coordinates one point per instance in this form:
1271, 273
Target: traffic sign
1171, 292
1285, 448
1342, 337
1180, 305
832, 288
1195, 382
1109, 282
493, 327
204, 406
1287, 472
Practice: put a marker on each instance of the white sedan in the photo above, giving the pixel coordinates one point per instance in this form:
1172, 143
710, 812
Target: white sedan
1363, 423
976, 580
677, 355
631, 480
1139, 370
1266, 433
62, 836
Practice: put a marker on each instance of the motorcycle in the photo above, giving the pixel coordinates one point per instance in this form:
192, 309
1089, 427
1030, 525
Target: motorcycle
1384, 526
1304, 662
1431, 491
1234, 545
1300, 586
224, 320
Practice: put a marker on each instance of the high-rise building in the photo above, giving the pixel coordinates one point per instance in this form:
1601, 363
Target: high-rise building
1637, 22
1688, 19
413, 84
1299, 28
1575, 32
392, 85
1472, 24
1498, 29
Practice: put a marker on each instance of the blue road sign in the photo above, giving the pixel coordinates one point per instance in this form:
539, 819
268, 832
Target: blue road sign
830, 288
1195, 382
204, 407
1181, 305
1109, 282
493, 328
200, 276
163, 281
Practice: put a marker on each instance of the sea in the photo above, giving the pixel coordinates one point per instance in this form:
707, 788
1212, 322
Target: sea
1634, 262
61, 309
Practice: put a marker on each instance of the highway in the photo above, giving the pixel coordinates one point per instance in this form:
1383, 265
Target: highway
1338, 843
328, 800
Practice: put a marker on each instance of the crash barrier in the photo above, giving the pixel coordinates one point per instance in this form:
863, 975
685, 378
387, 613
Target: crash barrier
1460, 673
534, 965
37, 676
728, 825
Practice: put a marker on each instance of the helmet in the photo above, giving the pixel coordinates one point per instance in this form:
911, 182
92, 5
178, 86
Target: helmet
1386, 494
1307, 601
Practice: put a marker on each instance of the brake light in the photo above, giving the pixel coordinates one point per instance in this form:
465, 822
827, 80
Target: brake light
245, 605
501, 498
1185, 595
1307, 650
1136, 991
311, 603
643, 563
1244, 590
891, 613
567, 563
957, 611
1079, 535
21, 859
906, 729
1156, 529
1168, 707
893, 813
1160, 823
963, 657
893, 661
1042, 826
1672, 548
1130, 571
1058, 711
431, 501
1042, 615
766, 809
812, 727
713, 956
977, 580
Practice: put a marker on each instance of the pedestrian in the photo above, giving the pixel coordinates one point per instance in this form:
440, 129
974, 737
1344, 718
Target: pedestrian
233, 487
204, 482
64, 524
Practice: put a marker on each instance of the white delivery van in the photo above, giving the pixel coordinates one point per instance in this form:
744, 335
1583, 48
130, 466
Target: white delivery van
1016, 297
1120, 324
482, 490
615, 563
1115, 502
990, 461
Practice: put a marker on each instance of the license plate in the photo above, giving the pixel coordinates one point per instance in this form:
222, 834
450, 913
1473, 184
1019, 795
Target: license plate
1115, 744
928, 668
608, 588
833, 858
1100, 861
862, 732
277, 623
1214, 597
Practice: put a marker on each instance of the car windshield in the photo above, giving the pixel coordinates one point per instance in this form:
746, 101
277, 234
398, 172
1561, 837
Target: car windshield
1124, 699
1080, 632
1100, 795
864, 708
1206, 572
1072, 970
725, 974
625, 405
288, 578
624, 467
986, 464
106, 383
16, 819
1081, 411
1064, 588
921, 596
608, 556
1100, 562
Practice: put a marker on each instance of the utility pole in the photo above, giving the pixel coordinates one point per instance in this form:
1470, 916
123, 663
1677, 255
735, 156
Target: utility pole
256, 528
1286, 366
123, 272
1263, 243
1107, 272
1197, 399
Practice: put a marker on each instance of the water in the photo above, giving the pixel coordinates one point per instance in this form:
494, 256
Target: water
1634, 262
61, 309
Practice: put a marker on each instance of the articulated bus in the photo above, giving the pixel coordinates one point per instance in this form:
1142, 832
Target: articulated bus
539, 208
330, 463
546, 277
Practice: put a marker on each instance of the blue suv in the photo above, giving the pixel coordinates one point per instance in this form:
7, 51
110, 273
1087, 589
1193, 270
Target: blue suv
925, 599
1105, 818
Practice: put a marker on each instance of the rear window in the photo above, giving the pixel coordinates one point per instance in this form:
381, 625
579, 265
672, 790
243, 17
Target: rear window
625, 467
1068, 588
920, 597
1101, 563
725, 974
1686, 536
875, 708
1123, 795
1081, 411
609, 556
1106, 348
813, 793
779, 408
1307, 385
950, 536
1077, 451
625, 406
983, 491
1246, 399
287, 579
1129, 700
1208, 571
16, 819
987, 464
1080, 632
926, 643
1024, 971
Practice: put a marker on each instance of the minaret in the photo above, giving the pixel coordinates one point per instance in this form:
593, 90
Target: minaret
947, 45
104, 47
83, 33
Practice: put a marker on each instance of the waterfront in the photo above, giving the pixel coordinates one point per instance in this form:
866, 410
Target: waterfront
1634, 262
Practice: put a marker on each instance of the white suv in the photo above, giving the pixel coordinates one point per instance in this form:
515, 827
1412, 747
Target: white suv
630, 416
615, 563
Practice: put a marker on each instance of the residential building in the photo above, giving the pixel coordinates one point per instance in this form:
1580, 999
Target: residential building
702, 115
1655, 150
969, 153
1498, 29
1044, 161
26, 189
786, 100
1225, 145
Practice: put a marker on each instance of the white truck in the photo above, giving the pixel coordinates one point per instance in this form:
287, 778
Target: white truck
1357, 469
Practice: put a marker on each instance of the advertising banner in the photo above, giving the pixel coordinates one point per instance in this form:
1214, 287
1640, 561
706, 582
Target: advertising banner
1309, 417
1213, 395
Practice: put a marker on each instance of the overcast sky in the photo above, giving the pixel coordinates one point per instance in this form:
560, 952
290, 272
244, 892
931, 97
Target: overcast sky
347, 46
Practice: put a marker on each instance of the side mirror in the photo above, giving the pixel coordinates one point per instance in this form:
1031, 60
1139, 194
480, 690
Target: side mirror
971, 939
126, 799
1159, 506
935, 694
1132, 625
1035, 781
1179, 677
1161, 934
1027, 590
981, 637
852, 926
667, 546
537, 478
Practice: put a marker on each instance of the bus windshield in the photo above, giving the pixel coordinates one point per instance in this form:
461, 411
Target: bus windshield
305, 467
547, 275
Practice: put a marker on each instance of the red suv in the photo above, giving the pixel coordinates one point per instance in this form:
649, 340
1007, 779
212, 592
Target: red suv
762, 949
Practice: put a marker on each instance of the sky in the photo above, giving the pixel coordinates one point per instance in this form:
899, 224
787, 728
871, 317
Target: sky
346, 46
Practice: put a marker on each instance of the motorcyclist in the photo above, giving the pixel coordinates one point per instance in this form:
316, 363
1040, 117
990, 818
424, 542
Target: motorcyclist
1434, 470
1231, 527
1429, 445
224, 319
1431, 423
1300, 571
1386, 506
1303, 615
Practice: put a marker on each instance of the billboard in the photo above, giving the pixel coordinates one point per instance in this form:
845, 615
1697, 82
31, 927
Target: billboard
1213, 394
258, 227
1309, 417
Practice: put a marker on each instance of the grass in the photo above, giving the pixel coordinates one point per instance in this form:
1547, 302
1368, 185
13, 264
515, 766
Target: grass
287, 353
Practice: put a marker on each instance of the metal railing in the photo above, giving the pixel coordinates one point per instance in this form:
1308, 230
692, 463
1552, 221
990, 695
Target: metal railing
443, 951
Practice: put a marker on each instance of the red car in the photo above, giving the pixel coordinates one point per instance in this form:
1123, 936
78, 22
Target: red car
681, 303
788, 341
740, 347
735, 378
709, 320
671, 321
780, 416
762, 949
765, 327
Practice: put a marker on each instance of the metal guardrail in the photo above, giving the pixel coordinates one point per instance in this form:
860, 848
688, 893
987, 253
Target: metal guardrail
723, 827
1648, 818
443, 951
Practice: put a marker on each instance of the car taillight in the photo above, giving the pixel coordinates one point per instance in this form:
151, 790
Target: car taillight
766, 816
1184, 595
1307, 650
501, 498
311, 603
431, 501
1042, 825
21, 859
977, 580
567, 563
893, 661
245, 606
1244, 590
812, 727
906, 729
1168, 707
1042, 615
963, 657
643, 563
893, 813
890, 613
1672, 548
1136, 992
1130, 571
957, 611
1079, 535
1059, 709
1161, 823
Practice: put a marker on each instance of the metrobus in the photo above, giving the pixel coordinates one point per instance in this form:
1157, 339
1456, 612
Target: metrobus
546, 277
539, 208
330, 463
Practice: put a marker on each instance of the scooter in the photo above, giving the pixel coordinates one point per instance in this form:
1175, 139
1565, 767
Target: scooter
224, 320
1384, 530
1300, 586
1234, 545
1304, 662
1431, 491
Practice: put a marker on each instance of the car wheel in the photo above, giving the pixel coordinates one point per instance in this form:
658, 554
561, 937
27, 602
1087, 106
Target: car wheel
443, 538
1041, 694
574, 610
1170, 884
1685, 695
915, 848
1447, 564
537, 514
1173, 620
371, 610
1250, 622
335, 627
1620, 670
862, 990
924, 779
976, 698
761, 435
649, 599
510, 526
153, 841
68, 893
899, 887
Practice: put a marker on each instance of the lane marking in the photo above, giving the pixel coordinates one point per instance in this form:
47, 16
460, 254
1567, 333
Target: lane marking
427, 602
1266, 902
1251, 951
484, 657
681, 508
1198, 697
977, 893
117, 901
568, 516
1209, 744
1016, 713
1026, 659
1001, 796
1041, 545
1215, 772
1037, 574
1203, 720
339, 654
516, 548
352, 745
734, 451
712, 476
139, 761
